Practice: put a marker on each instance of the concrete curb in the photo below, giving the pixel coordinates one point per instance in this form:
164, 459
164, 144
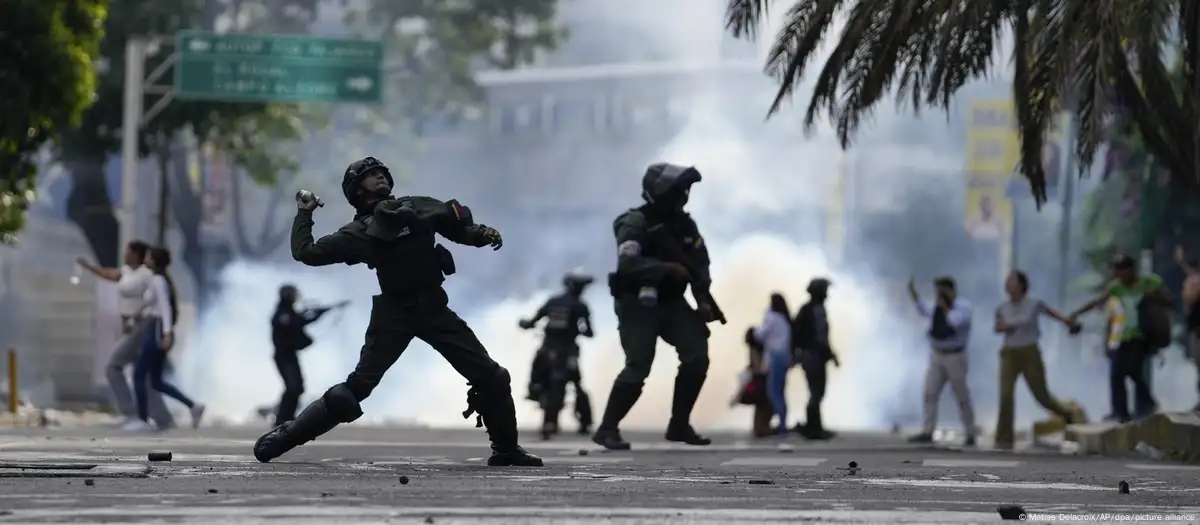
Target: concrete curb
1176, 434
82, 470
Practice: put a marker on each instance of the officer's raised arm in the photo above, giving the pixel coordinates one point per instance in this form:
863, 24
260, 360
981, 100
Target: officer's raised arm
338, 247
455, 222
631, 232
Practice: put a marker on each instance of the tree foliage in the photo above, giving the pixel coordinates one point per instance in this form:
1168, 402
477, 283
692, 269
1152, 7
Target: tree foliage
48, 49
1098, 58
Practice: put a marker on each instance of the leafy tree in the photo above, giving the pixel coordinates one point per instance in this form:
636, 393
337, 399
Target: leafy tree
236, 126
48, 49
1095, 57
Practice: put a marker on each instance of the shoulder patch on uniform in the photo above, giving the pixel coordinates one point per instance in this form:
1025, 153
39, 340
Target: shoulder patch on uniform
699, 241
629, 249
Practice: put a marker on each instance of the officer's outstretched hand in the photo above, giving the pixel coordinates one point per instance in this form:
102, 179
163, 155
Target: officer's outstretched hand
492, 237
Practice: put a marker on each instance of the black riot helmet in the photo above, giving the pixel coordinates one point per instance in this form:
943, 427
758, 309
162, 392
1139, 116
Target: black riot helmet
577, 279
288, 294
356, 171
667, 184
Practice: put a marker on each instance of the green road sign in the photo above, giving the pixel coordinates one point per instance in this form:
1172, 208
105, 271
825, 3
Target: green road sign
268, 68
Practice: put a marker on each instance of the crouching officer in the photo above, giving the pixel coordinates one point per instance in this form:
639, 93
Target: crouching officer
557, 361
660, 252
396, 237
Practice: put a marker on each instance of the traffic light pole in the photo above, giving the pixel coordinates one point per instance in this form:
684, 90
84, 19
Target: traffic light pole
134, 117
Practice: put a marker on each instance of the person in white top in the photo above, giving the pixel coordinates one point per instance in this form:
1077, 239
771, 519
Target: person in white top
775, 336
162, 307
133, 279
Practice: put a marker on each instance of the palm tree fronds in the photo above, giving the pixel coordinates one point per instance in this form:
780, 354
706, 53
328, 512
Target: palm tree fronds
743, 17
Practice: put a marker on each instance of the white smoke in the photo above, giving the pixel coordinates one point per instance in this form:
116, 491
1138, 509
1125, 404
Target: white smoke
747, 173
229, 363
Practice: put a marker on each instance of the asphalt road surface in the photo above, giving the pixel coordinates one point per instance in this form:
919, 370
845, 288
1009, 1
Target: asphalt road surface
399, 475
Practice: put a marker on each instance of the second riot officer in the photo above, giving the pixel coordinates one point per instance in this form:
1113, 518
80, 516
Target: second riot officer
396, 238
556, 363
659, 252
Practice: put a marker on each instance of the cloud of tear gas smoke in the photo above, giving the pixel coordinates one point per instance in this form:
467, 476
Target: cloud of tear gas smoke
230, 365
747, 175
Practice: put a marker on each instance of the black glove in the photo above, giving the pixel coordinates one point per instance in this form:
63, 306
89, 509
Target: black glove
526, 324
492, 237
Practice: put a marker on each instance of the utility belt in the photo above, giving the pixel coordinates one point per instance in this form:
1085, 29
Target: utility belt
425, 296
948, 351
648, 294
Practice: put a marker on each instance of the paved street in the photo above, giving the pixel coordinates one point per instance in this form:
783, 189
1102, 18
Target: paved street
356, 475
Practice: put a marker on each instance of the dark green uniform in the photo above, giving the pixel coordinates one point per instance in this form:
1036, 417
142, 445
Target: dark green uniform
396, 237
653, 242
412, 302
672, 318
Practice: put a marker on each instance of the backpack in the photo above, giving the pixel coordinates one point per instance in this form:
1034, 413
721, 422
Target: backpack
1154, 321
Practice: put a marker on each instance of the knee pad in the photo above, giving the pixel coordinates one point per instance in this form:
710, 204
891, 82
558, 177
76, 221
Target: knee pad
501, 380
694, 367
342, 404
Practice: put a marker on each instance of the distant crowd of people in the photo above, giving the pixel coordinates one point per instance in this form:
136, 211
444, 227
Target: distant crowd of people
149, 311
1138, 325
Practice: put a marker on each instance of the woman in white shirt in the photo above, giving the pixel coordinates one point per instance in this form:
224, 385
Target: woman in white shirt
775, 335
162, 308
133, 279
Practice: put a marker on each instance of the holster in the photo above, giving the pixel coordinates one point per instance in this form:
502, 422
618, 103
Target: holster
445, 260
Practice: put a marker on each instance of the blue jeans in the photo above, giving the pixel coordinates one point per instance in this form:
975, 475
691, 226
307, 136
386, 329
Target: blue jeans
778, 364
149, 369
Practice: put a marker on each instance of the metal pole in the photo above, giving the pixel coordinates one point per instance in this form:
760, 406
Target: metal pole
131, 126
12, 381
1068, 199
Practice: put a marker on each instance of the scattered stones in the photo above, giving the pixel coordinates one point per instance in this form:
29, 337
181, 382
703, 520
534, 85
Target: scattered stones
404, 480
159, 456
854, 464
1123, 487
213, 491
89, 482
761, 482
583, 452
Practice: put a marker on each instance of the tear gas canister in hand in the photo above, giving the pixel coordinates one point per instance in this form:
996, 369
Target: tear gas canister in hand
308, 197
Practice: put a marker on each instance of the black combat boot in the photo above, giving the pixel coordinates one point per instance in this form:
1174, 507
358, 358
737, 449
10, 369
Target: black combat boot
310, 424
583, 411
687, 390
495, 410
620, 401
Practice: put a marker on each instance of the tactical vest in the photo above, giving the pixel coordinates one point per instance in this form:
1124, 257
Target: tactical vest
669, 288
408, 264
562, 321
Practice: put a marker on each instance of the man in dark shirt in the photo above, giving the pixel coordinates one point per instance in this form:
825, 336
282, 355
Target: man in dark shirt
289, 338
810, 338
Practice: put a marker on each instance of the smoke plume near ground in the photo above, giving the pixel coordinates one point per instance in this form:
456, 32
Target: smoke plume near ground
750, 172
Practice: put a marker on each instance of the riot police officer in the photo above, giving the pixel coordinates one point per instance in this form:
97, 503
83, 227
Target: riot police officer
396, 237
557, 362
659, 253
289, 338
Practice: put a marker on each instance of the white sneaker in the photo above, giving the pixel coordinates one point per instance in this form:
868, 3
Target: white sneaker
138, 425
124, 420
197, 414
